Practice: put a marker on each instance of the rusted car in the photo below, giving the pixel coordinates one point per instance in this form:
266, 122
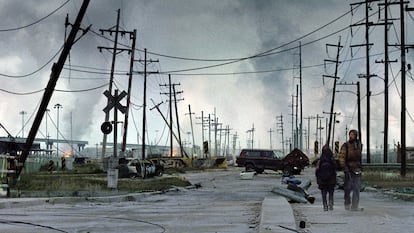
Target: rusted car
260, 159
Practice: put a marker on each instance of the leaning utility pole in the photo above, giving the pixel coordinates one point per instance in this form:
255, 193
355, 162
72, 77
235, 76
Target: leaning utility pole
329, 130
54, 76
133, 36
170, 107
156, 106
172, 93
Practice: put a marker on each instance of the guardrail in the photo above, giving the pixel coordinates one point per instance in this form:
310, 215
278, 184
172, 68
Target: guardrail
386, 166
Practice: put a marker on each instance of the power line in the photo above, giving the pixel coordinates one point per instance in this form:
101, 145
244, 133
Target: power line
34, 72
35, 22
58, 90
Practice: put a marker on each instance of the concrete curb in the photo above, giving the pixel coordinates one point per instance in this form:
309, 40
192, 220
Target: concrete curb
22, 202
6, 203
401, 196
276, 216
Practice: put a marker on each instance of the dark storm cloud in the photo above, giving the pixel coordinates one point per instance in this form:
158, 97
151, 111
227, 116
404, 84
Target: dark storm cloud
191, 29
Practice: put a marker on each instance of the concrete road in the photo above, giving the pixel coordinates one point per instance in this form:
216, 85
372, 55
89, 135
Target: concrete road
382, 213
224, 203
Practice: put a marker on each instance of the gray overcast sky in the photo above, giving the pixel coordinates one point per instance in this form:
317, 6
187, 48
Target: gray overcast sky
184, 34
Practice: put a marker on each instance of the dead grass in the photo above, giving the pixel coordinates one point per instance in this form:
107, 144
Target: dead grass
390, 179
89, 178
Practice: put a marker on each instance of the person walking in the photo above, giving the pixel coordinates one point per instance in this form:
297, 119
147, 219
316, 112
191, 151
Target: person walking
326, 177
350, 158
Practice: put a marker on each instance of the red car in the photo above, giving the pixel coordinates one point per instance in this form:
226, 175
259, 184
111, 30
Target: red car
260, 159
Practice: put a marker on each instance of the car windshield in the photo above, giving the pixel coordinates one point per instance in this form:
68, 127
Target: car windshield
278, 154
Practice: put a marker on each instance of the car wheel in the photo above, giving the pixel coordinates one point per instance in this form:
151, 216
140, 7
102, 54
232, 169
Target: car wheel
159, 172
250, 168
297, 171
259, 170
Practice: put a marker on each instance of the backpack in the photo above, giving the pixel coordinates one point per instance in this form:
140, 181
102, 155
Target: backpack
326, 170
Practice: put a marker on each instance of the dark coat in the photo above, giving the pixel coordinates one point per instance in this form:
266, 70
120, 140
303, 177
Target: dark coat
330, 183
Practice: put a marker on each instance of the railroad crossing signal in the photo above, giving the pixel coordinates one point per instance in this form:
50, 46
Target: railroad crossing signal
106, 127
113, 101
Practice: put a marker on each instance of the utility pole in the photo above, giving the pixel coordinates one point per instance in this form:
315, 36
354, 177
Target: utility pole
299, 131
403, 170
227, 150
309, 132
176, 116
320, 131
204, 120
156, 106
386, 61
367, 45
250, 133
279, 124
301, 98
54, 76
144, 104
318, 127
111, 79
293, 121
116, 50
296, 117
270, 135
235, 137
133, 37
192, 130
329, 130
215, 131
209, 121
170, 107
173, 93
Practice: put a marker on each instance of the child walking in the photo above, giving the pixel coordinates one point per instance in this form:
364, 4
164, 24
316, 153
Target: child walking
326, 177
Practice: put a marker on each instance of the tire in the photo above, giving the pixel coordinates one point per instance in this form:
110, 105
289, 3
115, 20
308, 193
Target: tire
259, 170
249, 167
159, 172
297, 171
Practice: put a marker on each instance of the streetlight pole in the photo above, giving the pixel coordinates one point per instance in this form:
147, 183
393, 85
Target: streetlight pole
47, 135
57, 106
22, 113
